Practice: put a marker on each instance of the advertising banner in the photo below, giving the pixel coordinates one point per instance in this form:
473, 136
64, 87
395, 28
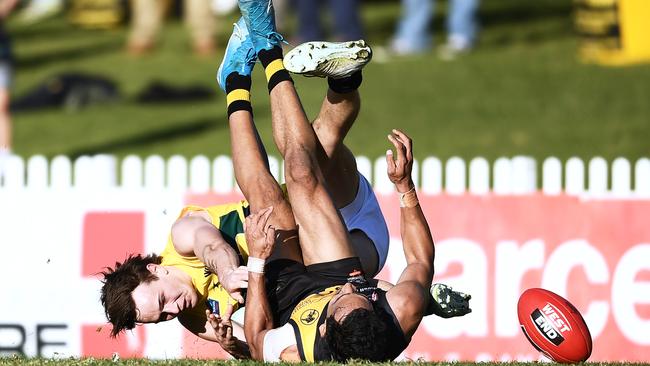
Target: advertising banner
596, 253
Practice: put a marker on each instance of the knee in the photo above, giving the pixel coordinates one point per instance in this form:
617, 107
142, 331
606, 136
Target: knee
300, 169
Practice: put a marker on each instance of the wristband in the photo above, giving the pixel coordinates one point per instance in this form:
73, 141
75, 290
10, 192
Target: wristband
408, 199
255, 265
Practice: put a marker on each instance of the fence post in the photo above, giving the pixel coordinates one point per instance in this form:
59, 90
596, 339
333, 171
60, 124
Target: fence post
14, 172
575, 176
61, 173
597, 181
383, 185
621, 177
200, 174
132, 172
82, 170
154, 173
37, 172
479, 176
642, 177
222, 174
431, 175
177, 173
455, 176
502, 176
552, 176
104, 168
524, 175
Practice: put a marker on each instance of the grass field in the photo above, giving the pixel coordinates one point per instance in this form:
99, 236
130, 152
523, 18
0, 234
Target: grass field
90, 361
521, 92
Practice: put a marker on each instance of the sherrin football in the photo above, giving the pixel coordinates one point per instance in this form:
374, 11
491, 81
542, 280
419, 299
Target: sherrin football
554, 326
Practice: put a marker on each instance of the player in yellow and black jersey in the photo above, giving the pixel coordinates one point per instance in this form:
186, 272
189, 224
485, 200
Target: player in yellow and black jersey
314, 282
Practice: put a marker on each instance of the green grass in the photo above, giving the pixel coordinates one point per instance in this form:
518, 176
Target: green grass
140, 362
521, 92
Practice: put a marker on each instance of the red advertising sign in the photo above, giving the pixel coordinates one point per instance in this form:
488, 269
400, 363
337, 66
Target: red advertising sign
595, 253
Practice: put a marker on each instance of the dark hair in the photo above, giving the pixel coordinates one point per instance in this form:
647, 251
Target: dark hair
119, 283
361, 335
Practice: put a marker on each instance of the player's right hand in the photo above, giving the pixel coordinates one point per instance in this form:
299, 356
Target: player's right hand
400, 167
260, 235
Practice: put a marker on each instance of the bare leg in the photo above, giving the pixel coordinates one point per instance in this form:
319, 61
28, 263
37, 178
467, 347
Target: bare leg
321, 226
337, 115
256, 182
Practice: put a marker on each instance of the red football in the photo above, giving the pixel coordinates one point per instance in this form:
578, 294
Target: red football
554, 326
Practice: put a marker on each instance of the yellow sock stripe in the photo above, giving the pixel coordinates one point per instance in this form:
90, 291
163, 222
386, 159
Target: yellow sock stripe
273, 67
238, 94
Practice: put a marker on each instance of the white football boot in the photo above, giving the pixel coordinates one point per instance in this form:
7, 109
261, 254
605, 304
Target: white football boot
328, 59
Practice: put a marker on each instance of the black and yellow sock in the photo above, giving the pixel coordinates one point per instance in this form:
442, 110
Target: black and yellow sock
273, 66
238, 93
347, 84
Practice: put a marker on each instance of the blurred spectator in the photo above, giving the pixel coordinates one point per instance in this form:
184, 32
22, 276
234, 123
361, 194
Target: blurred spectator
147, 17
345, 20
6, 6
413, 31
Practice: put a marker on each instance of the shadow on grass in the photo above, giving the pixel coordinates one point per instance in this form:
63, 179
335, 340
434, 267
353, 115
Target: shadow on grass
47, 29
182, 130
69, 53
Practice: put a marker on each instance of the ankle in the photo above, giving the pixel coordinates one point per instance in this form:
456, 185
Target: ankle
238, 96
273, 67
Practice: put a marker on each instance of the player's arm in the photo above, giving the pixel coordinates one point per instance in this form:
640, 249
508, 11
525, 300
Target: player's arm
196, 236
258, 319
410, 296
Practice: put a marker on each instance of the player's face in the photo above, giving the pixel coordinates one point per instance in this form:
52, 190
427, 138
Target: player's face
163, 299
345, 301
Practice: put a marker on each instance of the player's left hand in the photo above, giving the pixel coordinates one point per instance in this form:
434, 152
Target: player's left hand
260, 235
449, 303
222, 326
399, 167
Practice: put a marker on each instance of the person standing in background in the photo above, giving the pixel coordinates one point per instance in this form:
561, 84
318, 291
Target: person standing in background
414, 36
346, 21
147, 18
6, 61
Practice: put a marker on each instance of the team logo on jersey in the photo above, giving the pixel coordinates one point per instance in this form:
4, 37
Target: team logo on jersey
206, 272
309, 316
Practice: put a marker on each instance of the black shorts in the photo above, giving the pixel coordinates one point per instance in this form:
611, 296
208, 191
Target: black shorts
288, 282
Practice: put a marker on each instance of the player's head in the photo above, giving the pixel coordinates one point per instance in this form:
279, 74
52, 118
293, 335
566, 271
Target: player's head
140, 290
354, 329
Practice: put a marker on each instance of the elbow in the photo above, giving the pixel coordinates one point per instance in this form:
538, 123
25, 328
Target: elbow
254, 343
256, 350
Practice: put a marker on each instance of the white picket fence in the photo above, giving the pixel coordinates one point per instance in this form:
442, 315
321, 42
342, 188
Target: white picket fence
506, 176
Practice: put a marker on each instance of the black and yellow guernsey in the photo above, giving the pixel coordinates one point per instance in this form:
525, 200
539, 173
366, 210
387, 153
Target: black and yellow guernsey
306, 317
311, 313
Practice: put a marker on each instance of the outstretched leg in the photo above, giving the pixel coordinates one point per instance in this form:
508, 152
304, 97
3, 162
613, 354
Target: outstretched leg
339, 111
321, 226
249, 158
352, 194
